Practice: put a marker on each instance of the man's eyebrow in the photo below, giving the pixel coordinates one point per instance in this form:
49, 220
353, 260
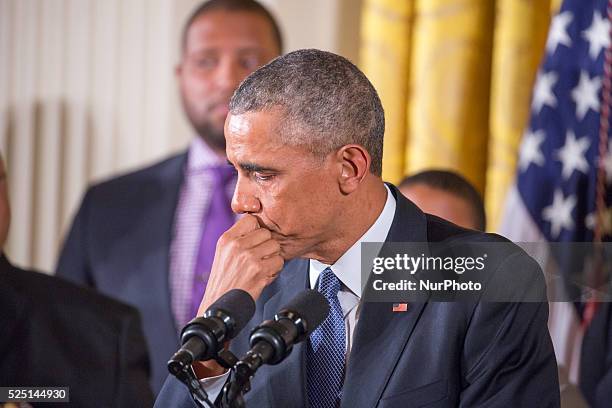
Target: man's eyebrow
250, 167
250, 49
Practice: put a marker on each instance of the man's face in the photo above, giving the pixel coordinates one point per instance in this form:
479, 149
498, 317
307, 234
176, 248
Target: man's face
221, 49
5, 213
292, 193
442, 204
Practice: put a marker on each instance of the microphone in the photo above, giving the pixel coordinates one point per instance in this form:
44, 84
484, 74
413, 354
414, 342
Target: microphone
203, 337
272, 341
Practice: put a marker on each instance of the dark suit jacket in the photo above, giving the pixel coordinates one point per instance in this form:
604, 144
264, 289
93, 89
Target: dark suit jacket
596, 359
119, 244
462, 354
55, 333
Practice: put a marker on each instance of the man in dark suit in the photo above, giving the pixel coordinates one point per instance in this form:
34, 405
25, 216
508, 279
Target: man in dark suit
137, 237
305, 134
56, 334
596, 358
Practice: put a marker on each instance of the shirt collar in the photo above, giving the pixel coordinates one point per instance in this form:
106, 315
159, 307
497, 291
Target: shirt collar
201, 156
348, 267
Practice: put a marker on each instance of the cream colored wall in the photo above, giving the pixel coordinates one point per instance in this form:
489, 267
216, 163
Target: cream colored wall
331, 25
87, 91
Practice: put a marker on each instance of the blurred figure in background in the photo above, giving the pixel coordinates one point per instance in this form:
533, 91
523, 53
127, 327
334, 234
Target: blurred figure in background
56, 334
148, 237
447, 195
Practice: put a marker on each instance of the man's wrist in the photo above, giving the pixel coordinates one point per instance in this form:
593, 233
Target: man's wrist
206, 369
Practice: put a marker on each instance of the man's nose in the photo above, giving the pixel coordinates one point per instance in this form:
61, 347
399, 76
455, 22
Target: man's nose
229, 74
244, 202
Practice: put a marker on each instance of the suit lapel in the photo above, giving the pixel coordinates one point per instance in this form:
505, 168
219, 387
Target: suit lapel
381, 334
380, 338
156, 261
286, 385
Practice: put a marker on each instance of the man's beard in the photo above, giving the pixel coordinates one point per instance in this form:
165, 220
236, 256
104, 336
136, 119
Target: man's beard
212, 135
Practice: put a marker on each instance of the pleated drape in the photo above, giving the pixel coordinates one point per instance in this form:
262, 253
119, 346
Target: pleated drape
86, 88
455, 78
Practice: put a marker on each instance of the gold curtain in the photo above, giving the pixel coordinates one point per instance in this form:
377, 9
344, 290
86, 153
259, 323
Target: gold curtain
385, 53
455, 79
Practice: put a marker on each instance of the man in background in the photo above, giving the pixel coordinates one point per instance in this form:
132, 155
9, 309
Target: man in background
447, 195
56, 334
148, 237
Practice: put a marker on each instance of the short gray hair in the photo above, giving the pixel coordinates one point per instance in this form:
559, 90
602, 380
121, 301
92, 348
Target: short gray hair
325, 100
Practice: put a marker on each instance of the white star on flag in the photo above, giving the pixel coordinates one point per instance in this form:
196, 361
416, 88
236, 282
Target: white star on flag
559, 213
542, 93
530, 149
598, 35
572, 154
558, 31
607, 163
585, 94
590, 220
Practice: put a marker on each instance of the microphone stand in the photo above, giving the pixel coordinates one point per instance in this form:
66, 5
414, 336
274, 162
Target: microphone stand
241, 374
271, 342
233, 392
184, 372
187, 376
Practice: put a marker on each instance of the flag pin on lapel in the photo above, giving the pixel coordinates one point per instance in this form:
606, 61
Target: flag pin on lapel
400, 307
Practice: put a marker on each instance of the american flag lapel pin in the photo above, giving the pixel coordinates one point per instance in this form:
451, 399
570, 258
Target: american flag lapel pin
400, 307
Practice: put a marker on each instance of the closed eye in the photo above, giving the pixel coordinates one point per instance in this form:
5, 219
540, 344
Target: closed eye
262, 176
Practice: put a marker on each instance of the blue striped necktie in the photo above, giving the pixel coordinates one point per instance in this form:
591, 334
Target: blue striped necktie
325, 355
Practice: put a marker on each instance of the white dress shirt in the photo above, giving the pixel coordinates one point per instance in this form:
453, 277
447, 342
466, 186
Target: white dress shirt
348, 270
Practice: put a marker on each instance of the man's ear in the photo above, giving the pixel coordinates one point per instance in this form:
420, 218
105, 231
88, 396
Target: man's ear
355, 162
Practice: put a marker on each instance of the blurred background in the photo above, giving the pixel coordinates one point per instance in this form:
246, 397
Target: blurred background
87, 91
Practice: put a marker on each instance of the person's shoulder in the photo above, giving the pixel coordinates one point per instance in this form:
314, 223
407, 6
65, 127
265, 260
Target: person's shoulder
169, 166
441, 230
165, 169
448, 236
509, 273
55, 293
135, 188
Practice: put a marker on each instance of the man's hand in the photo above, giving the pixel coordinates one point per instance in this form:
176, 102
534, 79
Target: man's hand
246, 258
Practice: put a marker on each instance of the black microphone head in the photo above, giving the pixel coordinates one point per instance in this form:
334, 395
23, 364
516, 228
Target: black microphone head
311, 306
236, 304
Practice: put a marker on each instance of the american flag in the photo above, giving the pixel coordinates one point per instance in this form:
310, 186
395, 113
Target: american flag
400, 307
560, 152
565, 158
564, 173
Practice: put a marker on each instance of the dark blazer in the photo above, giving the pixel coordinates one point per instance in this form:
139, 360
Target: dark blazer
119, 244
596, 359
436, 354
55, 333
